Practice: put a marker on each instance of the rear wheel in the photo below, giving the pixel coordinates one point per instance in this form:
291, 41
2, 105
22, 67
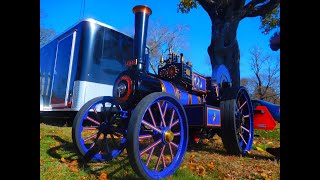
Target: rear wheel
236, 121
99, 129
157, 136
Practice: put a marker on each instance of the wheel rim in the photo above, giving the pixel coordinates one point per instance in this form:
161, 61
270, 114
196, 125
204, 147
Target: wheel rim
161, 139
100, 134
244, 120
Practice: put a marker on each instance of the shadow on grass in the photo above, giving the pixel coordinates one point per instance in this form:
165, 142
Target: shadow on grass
210, 147
121, 164
89, 167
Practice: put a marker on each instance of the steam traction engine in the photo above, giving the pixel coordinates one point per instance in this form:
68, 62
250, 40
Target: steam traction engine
153, 116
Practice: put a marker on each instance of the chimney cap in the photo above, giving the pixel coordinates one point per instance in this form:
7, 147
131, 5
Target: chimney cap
142, 8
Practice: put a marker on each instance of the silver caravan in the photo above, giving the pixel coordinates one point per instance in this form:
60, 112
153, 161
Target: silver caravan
80, 64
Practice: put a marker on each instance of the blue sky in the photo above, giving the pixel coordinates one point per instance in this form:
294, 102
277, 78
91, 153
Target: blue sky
62, 14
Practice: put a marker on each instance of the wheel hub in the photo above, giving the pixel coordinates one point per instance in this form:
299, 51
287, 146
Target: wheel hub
168, 136
104, 128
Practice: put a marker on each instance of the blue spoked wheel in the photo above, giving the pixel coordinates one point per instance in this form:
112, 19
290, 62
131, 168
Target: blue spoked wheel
236, 121
99, 129
157, 136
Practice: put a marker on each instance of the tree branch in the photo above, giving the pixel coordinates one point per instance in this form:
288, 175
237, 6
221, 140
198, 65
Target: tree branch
209, 7
251, 10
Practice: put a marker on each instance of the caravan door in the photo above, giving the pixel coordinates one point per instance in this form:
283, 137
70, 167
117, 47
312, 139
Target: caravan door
62, 71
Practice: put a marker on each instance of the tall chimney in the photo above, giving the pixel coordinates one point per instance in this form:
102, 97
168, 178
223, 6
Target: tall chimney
142, 14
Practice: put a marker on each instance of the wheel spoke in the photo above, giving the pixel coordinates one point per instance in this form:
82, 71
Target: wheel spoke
147, 136
152, 118
104, 112
90, 128
172, 115
176, 122
109, 112
96, 113
242, 138
149, 147
174, 144
245, 129
92, 120
162, 115
176, 134
245, 102
92, 145
160, 156
106, 143
150, 126
171, 153
246, 116
165, 109
90, 137
163, 160
149, 156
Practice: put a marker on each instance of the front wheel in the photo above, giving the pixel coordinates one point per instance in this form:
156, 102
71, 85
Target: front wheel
157, 136
236, 121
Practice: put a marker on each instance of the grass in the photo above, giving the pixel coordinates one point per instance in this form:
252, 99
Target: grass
206, 160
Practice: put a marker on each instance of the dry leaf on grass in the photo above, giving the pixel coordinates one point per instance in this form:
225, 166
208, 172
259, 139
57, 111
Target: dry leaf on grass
201, 171
63, 160
74, 169
103, 176
74, 163
210, 166
259, 149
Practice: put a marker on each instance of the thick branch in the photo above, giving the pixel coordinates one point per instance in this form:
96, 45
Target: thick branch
208, 6
251, 10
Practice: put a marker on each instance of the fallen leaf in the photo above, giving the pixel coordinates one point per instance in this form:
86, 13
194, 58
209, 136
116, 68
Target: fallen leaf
205, 141
83, 178
57, 144
201, 171
210, 166
103, 176
74, 169
249, 152
74, 163
269, 142
259, 149
52, 146
40, 137
168, 159
63, 160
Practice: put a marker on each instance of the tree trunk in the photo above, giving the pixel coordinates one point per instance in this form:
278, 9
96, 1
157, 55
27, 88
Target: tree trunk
224, 48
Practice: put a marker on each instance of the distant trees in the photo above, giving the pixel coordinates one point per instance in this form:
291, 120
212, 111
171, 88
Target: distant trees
46, 34
265, 82
161, 38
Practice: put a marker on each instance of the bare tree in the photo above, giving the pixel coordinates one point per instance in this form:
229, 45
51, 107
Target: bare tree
46, 34
161, 38
265, 83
